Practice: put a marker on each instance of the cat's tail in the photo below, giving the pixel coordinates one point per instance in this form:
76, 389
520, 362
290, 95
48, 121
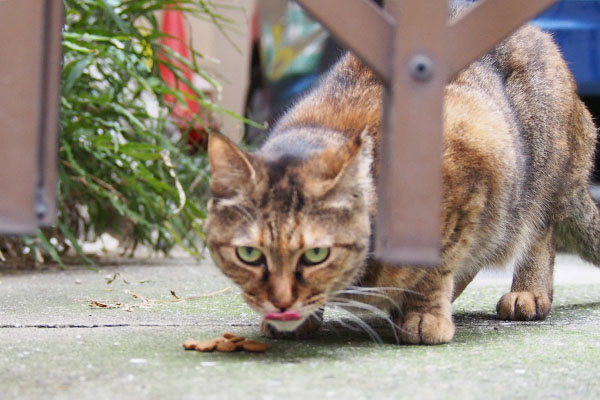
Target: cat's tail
579, 232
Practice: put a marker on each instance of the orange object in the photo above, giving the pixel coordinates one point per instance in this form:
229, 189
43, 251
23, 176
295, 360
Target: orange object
173, 25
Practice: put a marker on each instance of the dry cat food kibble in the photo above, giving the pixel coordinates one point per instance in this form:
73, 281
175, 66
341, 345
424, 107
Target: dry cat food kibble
254, 346
227, 343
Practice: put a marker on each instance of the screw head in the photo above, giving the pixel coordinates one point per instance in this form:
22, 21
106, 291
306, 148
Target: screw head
421, 67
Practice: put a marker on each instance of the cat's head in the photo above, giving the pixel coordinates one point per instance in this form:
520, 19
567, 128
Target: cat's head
290, 231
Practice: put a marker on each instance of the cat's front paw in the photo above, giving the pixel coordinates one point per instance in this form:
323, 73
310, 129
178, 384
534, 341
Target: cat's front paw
523, 306
426, 328
304, 331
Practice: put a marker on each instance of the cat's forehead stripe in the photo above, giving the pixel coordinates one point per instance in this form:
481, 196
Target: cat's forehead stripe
284, 234
261, 237
285, 197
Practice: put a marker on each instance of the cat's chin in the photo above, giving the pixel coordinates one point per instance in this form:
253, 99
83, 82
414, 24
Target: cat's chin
286, 326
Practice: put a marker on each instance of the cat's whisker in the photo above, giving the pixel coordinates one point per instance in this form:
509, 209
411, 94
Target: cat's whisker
317, 313
396, 328
252, 302
386, 288
377, 292
361, 324
351, 292
313, 307
315, 299
340, 321
341, 303
360, 305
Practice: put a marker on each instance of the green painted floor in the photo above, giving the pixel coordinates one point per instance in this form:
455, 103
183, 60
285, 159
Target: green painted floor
53, 345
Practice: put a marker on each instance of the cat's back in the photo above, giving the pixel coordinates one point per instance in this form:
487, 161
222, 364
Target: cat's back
518, 107
518, 141
346, 102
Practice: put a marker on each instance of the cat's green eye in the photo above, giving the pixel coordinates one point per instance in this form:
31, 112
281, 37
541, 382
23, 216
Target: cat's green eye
315, 256
249, 255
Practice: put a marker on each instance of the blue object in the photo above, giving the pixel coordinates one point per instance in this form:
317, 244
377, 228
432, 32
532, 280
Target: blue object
575, 25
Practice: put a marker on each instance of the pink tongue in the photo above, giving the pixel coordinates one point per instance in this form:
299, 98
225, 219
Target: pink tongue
283, 316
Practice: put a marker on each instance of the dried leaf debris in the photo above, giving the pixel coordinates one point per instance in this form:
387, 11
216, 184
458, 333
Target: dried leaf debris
145, 302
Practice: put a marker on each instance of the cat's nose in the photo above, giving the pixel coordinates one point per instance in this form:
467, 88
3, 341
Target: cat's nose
282, 300
282, 305
281, 292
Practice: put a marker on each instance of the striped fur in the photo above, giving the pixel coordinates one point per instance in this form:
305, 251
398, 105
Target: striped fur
517, 156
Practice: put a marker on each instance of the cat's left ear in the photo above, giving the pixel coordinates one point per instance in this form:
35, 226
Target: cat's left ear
336, 167
230, 168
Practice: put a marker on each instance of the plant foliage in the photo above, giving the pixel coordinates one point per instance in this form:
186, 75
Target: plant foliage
120, 171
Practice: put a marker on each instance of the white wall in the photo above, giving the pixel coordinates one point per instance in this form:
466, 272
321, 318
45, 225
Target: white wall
232, 67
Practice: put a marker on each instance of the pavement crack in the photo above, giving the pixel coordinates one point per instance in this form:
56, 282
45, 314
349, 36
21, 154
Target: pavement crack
66, 326
90, 326
62, 326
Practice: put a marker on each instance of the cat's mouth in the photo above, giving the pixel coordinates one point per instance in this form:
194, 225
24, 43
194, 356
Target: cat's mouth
283, 316
285, 321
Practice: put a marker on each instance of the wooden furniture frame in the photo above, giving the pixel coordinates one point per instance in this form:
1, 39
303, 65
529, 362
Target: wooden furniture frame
30, 60
416, 50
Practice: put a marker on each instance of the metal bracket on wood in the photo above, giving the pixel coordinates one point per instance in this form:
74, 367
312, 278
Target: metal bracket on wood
416, 51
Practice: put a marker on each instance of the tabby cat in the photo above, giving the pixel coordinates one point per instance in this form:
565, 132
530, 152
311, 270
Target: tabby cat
291, 223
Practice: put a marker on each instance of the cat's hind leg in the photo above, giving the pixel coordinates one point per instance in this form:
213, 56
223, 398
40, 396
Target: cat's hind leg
579, 231
530, 297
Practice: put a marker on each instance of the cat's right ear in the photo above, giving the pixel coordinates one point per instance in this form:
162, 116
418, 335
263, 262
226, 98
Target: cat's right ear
230, 168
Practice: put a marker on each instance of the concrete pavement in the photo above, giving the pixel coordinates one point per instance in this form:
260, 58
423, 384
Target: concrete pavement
53, 345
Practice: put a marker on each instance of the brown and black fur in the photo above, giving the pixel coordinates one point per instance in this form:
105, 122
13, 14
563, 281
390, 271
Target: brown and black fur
518, 149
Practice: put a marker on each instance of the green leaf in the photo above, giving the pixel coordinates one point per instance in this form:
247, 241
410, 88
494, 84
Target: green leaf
73, 71
129, 115
49, 248
76, 47
116, 18
66, 231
